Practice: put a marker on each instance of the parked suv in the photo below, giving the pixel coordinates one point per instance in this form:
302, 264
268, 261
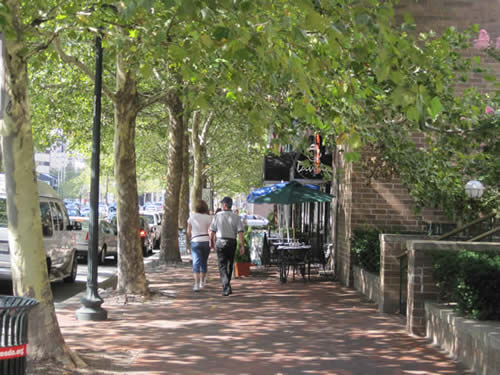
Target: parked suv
58, 235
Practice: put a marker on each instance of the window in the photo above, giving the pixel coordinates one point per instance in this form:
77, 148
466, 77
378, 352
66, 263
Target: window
57, 216
46, 216
106, 228
149, 219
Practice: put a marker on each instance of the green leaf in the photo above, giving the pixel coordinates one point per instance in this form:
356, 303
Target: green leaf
230, 95
221, 33
354, 141
352, 156
382, 71
436, 107
207, 41
412, 113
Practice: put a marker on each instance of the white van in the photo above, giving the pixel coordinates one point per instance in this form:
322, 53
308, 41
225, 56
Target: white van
58, 236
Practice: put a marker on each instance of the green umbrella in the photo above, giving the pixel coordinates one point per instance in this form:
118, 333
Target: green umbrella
287, 193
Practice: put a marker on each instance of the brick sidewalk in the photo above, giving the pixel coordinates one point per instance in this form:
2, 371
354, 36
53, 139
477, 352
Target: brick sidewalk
265, 327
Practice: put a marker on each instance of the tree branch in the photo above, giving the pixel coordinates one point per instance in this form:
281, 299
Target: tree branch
147, 101
447, 131
73, 60
41, 46
206, 125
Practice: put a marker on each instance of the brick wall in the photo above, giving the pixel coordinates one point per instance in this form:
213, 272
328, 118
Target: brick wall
387, 205
421, 285
438, 15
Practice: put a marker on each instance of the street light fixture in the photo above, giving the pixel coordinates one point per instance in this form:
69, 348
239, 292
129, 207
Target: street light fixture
474, 189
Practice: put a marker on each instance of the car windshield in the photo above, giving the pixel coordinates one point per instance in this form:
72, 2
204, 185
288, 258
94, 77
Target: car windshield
73, 212
148, 219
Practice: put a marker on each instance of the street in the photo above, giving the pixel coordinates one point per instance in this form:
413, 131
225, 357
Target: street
62, 291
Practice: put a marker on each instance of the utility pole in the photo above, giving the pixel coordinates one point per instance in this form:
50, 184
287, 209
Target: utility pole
91, 309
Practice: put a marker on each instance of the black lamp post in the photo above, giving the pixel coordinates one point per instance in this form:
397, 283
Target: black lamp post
91, 309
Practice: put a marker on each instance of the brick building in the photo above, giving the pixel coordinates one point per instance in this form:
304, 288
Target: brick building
385, 203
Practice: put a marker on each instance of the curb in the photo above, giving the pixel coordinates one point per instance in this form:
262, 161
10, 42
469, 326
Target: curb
110, 282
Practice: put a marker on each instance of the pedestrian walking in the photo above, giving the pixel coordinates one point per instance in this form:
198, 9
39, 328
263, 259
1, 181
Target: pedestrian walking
198, 233
225, 226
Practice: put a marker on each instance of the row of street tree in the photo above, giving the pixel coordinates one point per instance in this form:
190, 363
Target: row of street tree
192, 89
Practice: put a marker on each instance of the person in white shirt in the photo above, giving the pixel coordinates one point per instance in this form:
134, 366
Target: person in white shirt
197, 232
224, 229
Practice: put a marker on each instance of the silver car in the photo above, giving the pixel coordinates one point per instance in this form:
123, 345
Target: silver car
107, 242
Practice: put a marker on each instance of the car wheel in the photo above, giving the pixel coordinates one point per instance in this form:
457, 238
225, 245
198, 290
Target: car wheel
102, 255
144, 249
74, 270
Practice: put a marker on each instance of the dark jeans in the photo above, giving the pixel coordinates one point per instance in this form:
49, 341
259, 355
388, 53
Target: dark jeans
225, 257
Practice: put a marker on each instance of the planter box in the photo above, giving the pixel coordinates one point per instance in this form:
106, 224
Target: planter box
475, 343
367, 283
242, 269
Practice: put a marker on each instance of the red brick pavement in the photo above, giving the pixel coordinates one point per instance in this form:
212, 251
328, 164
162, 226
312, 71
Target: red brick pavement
265, 327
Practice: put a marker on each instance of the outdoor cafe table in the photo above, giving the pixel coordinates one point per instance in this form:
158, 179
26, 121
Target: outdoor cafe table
295, 256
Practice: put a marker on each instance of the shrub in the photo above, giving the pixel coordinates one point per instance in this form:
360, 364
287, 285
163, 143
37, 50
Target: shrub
472, 280
365, 248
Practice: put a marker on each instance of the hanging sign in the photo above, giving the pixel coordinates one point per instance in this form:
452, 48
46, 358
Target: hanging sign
317, 156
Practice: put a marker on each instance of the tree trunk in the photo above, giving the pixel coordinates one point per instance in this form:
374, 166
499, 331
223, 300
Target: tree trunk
131, 276
28, 264
169, 250
184, 194
197, 146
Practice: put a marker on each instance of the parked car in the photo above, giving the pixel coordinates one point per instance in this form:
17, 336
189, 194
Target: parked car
58, 235
154, 222
85, 210
254, 220
107, 242
145, 234
147, 237
74, 211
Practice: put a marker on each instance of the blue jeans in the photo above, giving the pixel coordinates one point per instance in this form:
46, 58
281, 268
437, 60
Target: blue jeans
200, 252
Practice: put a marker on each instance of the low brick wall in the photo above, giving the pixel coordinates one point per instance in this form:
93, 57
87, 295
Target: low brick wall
475, 343
367, 283
421, 285
391, 247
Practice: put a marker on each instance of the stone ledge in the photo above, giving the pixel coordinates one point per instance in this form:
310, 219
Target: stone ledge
475, 343
367, 283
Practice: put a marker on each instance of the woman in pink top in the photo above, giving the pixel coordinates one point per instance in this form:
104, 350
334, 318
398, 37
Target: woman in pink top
197, 232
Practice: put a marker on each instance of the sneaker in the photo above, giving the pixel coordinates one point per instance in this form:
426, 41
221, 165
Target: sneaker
202, 284
196, 288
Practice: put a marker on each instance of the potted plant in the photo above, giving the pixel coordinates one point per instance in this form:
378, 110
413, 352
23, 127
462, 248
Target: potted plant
242, 262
